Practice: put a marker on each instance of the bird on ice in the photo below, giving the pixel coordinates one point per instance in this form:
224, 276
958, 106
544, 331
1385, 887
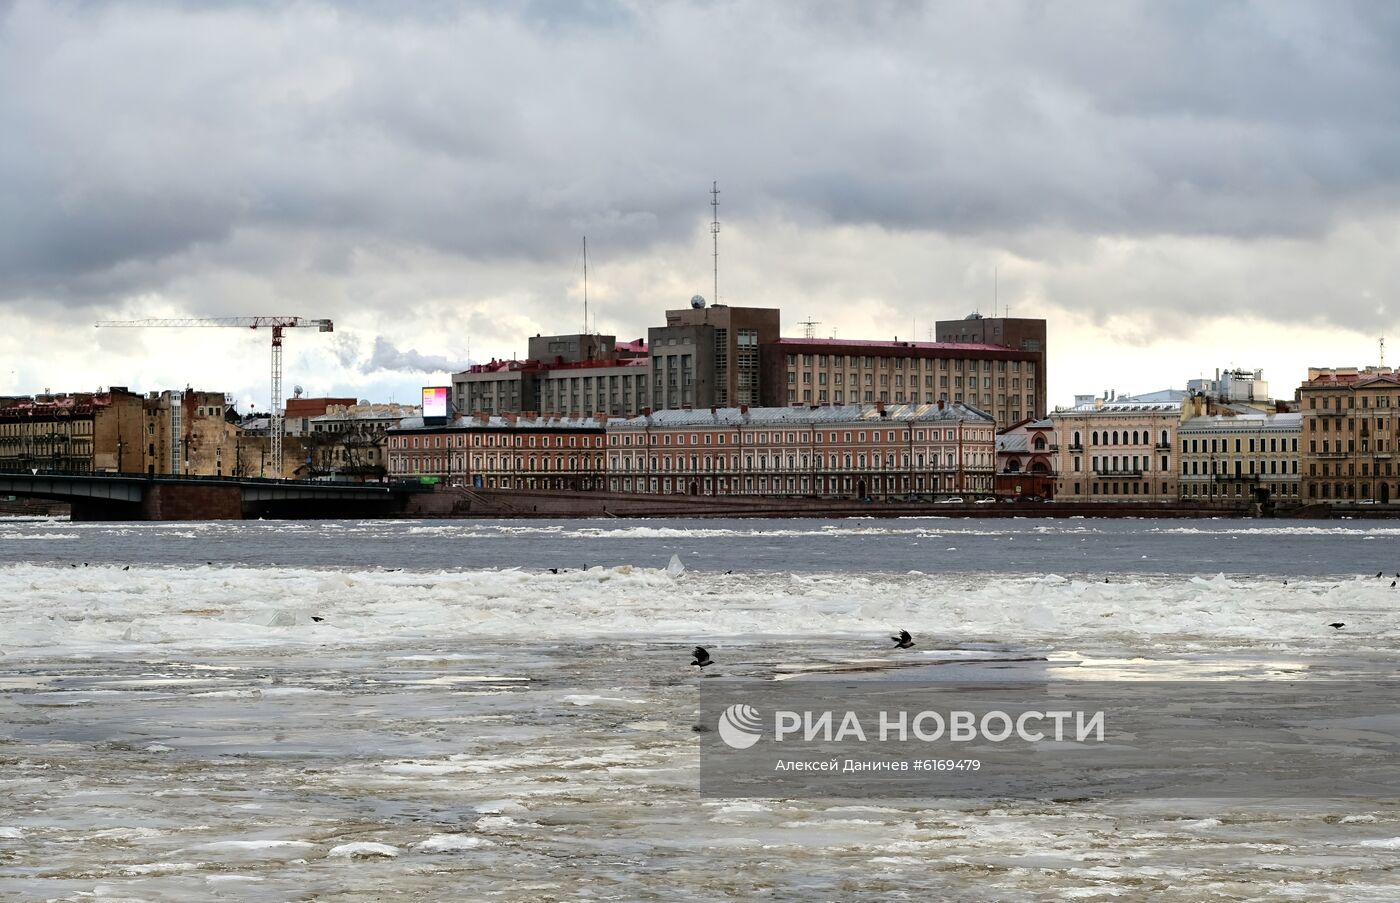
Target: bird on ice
1337, 625
903, 641
702, 657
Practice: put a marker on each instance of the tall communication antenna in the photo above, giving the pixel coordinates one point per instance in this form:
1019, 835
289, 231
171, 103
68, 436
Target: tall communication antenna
809, 328
1382, 351
714, 234
585, 285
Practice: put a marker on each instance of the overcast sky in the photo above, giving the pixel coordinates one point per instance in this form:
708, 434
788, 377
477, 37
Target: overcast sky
1174, 186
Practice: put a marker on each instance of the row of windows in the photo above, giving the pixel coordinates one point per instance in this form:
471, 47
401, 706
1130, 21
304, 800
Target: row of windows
1206, 446
1125, 437
494, 440
1197, 490
46, 428
1271, 466
899, 363
875, 485
839, 379
1140, 488
792, 438
1334, 402
795, 462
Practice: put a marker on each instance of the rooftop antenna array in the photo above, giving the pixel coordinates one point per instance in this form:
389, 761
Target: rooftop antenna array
1382, 351
714, 235
809, 328
585, 285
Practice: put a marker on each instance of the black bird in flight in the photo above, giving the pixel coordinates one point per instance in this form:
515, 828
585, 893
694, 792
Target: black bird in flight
903, 641
1337, 625
317, 618
702, 657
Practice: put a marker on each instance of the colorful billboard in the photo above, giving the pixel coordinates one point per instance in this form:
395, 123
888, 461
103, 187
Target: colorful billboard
435, 402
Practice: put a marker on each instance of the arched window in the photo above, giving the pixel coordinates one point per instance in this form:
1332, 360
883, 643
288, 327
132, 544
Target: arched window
1076, 438
1095, 437
1115, 437
1040, 443
1164, 438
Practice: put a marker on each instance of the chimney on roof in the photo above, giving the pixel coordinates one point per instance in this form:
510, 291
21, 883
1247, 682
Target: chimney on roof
880, 406
646, 412
942, 405
714, 410
744, 410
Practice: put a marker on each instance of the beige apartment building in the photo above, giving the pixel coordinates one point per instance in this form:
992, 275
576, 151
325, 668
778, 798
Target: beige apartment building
118, 431
1239, 456
1118, 449
1350, 429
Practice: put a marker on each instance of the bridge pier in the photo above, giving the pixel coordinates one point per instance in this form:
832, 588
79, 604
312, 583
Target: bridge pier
186, 501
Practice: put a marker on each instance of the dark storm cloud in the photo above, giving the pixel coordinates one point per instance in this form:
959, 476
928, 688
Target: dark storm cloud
151, 143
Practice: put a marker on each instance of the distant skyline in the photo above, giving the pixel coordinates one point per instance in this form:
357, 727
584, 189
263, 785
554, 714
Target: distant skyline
1174, 187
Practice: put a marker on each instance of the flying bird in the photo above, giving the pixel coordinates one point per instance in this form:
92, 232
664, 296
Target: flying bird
903, 641
317, 618
702, 657
1337, 625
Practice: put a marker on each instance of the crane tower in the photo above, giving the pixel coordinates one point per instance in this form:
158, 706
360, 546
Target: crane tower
276, 324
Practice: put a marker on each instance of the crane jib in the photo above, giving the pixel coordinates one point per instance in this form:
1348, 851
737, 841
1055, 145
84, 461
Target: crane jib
277, 324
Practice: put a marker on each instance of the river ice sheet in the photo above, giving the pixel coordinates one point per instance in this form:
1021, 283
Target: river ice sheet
193, 732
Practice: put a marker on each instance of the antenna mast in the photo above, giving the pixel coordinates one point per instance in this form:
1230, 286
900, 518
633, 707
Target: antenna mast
1382, 351
585, 285
809, 328
714, 234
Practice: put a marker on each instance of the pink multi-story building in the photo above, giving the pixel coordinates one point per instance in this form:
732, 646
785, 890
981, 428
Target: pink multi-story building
854, 450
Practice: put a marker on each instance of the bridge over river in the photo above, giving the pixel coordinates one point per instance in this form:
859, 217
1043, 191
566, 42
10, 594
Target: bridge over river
114, 496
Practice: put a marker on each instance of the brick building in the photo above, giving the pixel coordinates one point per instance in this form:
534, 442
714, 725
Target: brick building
709, 356
1006, 383
504, 452
1349, 434
563, 373
1026, 460
835, 451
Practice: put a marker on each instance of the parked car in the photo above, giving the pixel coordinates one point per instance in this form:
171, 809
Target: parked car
951, 500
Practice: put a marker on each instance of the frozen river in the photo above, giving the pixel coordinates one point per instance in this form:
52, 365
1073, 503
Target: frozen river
375, 711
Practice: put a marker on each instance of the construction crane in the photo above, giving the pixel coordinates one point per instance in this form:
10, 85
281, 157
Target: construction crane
276, 324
